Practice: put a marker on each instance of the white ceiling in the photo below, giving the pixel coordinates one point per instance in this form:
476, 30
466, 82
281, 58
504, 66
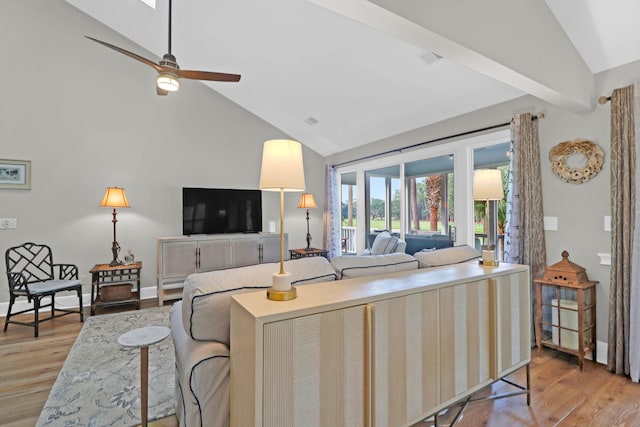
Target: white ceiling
364, 73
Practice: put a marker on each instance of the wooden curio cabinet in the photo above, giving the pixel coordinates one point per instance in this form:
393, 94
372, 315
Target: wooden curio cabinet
566, 310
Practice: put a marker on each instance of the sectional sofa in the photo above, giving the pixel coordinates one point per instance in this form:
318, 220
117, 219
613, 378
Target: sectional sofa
200, 323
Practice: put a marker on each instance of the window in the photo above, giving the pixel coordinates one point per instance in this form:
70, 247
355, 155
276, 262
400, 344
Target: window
489, 223
429, 184
383, 199
348, 212
424, 191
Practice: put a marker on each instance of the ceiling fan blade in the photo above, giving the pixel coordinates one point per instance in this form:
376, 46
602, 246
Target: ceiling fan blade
208, 75
129, 54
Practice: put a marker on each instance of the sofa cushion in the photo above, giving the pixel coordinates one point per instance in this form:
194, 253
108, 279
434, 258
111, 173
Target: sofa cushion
358, 266
453, 255
207, 296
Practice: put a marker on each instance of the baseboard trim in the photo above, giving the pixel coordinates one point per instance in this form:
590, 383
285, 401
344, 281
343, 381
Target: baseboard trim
601, 353
69, 301
602, 349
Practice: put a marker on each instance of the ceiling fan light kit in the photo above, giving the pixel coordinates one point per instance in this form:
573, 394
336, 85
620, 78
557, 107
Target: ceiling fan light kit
168, 70
168, 82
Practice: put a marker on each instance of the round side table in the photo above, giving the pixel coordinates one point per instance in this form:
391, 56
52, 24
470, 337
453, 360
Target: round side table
143, 338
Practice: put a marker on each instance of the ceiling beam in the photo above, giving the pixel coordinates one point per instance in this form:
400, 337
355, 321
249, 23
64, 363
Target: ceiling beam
518, 43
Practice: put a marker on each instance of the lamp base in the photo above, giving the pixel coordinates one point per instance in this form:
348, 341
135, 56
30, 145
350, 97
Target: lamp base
274, 295
489, 263
115, 250
281, 290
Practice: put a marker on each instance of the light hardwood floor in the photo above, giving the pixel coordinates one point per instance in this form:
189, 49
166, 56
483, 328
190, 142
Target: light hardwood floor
561, 394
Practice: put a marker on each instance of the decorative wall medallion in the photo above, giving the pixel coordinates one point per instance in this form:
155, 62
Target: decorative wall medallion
576, 161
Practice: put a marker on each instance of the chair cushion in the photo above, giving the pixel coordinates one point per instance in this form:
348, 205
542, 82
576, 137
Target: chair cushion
53, 286
433, 258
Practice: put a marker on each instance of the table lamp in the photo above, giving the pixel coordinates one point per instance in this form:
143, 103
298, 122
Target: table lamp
487, 186
282, 170
114, 198
307, 202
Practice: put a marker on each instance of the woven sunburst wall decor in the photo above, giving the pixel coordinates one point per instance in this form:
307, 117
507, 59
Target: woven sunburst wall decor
593, 159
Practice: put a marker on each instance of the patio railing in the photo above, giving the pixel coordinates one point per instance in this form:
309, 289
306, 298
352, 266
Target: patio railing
348, 235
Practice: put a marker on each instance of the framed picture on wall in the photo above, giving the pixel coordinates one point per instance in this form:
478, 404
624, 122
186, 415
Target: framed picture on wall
15, 174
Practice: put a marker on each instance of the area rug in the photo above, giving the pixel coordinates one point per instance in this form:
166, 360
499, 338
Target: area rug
99, 384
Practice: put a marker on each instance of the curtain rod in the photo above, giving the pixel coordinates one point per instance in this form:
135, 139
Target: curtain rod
603, 100
442, 138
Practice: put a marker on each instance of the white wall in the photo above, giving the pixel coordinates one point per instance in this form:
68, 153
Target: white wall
88, 118
82, 136
580, 209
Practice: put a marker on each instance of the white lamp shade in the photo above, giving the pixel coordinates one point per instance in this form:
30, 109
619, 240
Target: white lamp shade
487, 185
282, 166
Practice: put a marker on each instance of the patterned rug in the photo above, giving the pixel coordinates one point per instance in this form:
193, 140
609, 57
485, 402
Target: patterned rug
99, 384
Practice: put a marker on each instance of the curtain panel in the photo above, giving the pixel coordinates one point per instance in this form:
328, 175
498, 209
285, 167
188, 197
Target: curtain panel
623, 178
331, 217
634, 305
524, 234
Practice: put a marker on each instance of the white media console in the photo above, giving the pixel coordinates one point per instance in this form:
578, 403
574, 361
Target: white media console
180, 256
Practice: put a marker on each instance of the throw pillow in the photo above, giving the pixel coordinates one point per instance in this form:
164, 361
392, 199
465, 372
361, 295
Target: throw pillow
384, 243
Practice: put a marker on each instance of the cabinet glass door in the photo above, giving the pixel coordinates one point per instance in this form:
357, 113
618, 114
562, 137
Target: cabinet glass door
560, 316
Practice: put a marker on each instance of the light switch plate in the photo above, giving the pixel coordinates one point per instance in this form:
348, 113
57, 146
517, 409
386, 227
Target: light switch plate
551, 223
8, 223
607, 223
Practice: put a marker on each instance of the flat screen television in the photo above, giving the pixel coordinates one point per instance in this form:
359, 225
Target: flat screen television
221, 210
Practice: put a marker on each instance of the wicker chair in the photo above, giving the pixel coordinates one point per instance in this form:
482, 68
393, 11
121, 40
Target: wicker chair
30, 271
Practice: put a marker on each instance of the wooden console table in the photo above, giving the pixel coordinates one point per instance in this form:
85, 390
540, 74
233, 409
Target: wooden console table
343, 353
103, 275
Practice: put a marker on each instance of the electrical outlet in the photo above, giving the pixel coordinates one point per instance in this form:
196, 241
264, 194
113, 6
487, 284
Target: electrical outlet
8, 223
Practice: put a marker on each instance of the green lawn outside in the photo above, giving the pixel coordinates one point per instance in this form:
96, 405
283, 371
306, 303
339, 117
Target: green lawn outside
424, 225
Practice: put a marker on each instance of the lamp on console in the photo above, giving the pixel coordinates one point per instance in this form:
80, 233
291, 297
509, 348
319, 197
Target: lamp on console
282, 170
114, 198
307, 202
487, 186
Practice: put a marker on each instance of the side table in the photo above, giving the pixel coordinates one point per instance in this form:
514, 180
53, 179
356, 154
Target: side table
303, 253
124, 279
143, 338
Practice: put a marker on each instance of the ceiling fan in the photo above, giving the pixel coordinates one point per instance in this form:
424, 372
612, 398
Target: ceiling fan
168, 70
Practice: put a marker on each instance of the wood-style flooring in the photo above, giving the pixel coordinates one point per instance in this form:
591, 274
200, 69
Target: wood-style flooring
561, 394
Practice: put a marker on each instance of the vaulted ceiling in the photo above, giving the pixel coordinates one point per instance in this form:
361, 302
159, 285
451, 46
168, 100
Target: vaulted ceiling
337, 74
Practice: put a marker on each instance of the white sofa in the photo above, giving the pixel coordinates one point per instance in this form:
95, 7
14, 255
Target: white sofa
200, 323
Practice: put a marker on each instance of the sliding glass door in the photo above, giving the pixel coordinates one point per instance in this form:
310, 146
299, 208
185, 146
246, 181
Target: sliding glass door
490, 216
348, 213
430, 195
423, 194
